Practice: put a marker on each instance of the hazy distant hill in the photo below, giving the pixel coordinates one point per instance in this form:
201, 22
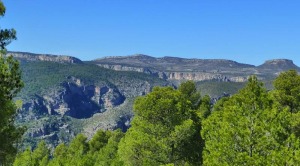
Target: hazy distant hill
172, 63
278, 65
64, 95
178, 69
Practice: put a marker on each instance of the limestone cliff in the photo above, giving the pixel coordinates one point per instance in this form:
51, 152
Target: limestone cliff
43, 57
203, 75
76, 100
178, 69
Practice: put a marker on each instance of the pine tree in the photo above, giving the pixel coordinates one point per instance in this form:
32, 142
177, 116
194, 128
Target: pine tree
165, 128
250, 128
10, 85
40, 156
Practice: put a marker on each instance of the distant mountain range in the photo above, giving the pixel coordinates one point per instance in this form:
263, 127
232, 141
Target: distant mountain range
172, 68
64, 96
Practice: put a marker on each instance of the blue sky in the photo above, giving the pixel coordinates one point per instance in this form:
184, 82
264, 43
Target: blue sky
247, 31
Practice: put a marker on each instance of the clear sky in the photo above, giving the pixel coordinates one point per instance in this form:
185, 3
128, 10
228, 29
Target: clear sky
247, 31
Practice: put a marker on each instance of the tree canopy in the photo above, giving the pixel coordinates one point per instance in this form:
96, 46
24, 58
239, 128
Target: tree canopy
171, 126
10, 85
165, 129
254, 126
6, 35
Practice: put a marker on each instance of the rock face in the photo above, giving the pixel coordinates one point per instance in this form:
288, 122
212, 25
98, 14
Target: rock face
178, 69
76, 100
43, 57
62, 100
179, 75
50, 111
202, 76
171, 63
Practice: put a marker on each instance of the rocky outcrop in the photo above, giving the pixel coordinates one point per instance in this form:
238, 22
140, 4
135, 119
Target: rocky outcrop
278, 64
76, 100
44, 57
123, 68
47, 115
178, 69
185, 75
198, 76
171, 63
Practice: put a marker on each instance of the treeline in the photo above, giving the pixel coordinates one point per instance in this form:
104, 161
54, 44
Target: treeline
100, 150
179, 127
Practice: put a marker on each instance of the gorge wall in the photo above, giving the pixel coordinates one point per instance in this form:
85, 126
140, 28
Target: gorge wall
179, 75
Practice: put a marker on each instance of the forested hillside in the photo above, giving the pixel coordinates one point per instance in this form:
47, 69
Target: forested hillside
61, 100
180, 127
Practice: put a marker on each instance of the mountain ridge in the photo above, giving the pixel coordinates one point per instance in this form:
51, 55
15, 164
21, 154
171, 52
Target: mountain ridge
43, 57
64, 96
139, 56
176, 69
64, 58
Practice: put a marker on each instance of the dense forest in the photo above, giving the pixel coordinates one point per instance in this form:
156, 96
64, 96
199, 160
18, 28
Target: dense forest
171, 126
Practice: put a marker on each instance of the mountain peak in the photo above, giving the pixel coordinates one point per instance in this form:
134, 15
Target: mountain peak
284, 64
279, 61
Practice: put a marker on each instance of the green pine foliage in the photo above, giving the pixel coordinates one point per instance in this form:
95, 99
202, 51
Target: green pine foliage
287, 90
10, 85
179, 127
39, 157
255, 127
241, 132
165, 129
100, 150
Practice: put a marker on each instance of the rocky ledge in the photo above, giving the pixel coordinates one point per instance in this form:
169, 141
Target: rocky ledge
24, 56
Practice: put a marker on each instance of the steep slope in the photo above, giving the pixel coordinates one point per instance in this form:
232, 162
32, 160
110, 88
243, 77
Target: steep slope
63, 99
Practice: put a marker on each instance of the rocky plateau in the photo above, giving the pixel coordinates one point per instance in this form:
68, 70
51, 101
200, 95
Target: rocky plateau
178, 69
